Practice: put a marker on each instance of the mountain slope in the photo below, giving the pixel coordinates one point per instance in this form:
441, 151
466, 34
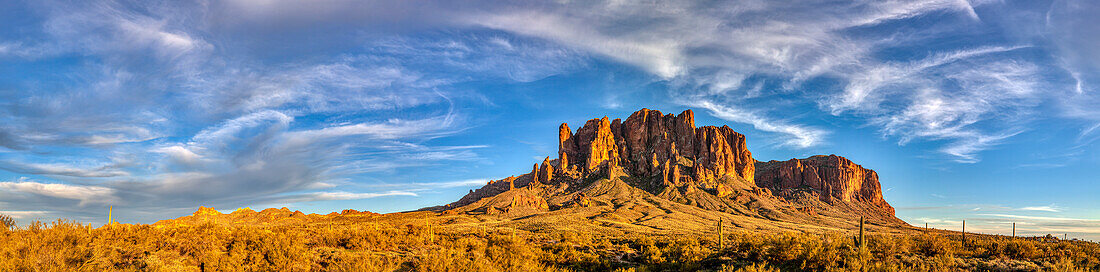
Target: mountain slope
654, 170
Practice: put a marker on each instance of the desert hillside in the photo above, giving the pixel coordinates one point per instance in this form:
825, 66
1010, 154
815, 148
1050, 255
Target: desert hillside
662, 172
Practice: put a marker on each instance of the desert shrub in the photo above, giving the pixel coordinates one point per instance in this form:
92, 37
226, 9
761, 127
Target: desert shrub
785, 247
687, 252
822, 254
573, 256
652, 254
1018, 249
1064, 265
6, 222
937, 245
409, 245
758, 267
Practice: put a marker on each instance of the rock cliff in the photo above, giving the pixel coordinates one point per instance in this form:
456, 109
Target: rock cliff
835, 177
667, 156
639, 145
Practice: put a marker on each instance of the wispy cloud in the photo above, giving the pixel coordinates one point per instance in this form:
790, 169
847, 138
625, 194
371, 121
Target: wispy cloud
799, 136
237, 101
324, 196
434, 185
24, 214
1001, 219
713, 55
1000, 93
84, 194
56, 169
1044, 218
202, 119
1047, 208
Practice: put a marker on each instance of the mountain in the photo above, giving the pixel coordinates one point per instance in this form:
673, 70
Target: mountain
266, 217
660, 169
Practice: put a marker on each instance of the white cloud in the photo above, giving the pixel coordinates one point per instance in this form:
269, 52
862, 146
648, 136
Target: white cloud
1047, 208
1045, 218
659, 55
999, 92
391, 129
1000, 220
866, 86
894, 10
113, 28
800, 136
180, 154
436, 185
24, 214
717, 48
228, 130
150, 33
352, 196
254, 109
57, 169
85, 194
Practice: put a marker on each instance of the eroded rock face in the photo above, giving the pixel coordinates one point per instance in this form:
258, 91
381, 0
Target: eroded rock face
721, 151
566, 147
546, 171
834, 177
648, 137
595, 144
666, 151
491, 188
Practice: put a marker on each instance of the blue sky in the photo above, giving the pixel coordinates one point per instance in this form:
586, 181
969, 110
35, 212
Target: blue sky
980, 110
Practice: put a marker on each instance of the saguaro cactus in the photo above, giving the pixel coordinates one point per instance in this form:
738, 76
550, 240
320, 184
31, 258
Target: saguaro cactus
720, 234
859, 240
861, 243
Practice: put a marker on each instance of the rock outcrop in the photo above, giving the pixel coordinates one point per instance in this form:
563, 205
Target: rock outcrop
835, 178
204, 211
667, 155
595, 145
647, 138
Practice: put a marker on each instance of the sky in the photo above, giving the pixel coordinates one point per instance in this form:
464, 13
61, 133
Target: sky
986, 111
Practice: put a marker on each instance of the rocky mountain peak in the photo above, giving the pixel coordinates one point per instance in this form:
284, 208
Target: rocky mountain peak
667, 155
637, 145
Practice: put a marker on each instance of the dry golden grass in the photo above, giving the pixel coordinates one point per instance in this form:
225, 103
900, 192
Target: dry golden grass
432, 242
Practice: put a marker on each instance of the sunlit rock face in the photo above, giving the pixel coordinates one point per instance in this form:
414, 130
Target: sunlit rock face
667, 155
836, 177
639, 144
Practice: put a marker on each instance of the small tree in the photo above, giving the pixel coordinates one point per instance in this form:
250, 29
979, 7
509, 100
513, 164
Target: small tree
7, 222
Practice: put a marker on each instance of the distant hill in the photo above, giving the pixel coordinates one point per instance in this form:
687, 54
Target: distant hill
662, 172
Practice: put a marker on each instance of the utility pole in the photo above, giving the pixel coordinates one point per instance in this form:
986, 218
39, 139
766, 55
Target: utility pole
964, 232
1013, 229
